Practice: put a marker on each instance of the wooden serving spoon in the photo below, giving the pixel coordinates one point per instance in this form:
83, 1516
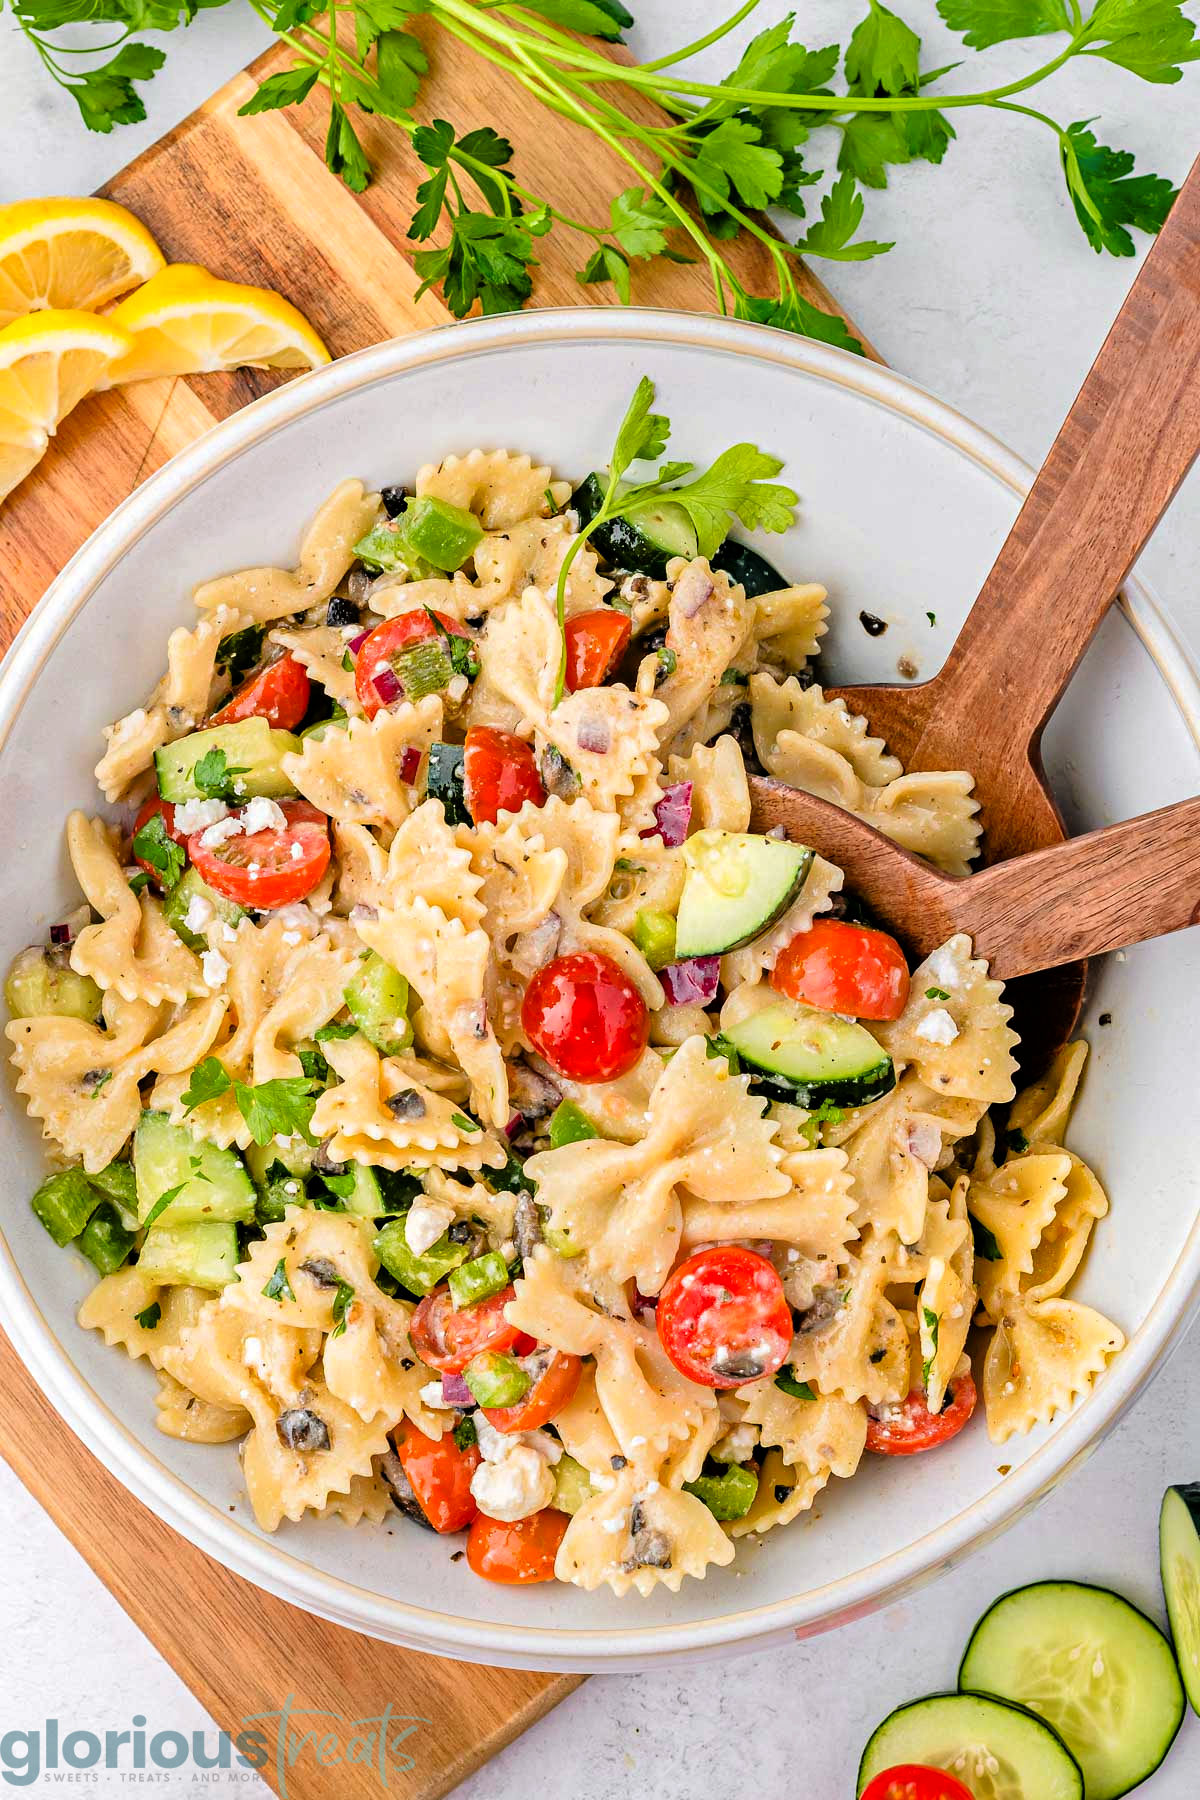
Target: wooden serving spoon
1128, 441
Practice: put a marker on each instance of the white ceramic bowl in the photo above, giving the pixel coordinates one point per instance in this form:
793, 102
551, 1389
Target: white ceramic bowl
904, 504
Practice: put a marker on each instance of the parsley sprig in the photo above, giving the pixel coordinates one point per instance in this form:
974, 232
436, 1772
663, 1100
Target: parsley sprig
280, 1108
787, 116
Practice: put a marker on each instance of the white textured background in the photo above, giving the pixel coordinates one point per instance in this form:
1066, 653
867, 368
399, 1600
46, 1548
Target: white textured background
994, 301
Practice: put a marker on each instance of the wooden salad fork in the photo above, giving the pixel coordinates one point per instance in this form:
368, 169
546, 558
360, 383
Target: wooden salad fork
1128, 441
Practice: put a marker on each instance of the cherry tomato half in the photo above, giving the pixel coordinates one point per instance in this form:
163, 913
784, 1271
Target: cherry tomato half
439, 1474
447, 1339
913, 1781
594, 642
914, 1428
499, 774
722, 1317
519, 1552
279, 693
844, 968
584, 1015
152, 806
379, 650
264, 869
550, 1392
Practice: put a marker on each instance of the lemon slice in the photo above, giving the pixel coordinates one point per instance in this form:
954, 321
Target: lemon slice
70, 253
48, 362
186, 322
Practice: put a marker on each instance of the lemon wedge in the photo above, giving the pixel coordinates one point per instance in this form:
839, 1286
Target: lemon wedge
70, 253
185, 321
48, 362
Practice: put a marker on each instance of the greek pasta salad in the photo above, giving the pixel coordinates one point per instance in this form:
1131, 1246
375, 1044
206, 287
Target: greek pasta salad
467, 1112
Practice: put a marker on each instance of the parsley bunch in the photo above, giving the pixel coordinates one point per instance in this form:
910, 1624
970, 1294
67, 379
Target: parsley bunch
730, 149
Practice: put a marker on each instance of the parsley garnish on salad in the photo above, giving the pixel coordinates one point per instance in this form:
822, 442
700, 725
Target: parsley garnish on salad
281, 1108
155, 846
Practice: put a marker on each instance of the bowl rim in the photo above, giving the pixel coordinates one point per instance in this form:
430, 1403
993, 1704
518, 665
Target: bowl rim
265, 1562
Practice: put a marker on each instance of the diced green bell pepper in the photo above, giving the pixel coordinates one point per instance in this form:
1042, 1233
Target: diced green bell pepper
478, 1280
443, 534
568, 1125
418, 1274
654, 935
496, 1379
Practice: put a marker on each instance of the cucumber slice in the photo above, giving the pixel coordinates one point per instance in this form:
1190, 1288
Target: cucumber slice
444, 781
572, 1485
744, 565
64, 1203
296, 1160
105, 1241
1093, 1667
645, 541
117, 1184
737, 885
1179, 1553
249, 746
192, 886
42, 982
212, 1183
190, 1255
441, 533
377, 1000
1000, 1752
805, 1057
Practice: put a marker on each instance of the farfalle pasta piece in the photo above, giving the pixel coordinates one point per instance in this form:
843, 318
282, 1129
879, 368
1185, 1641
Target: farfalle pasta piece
501, 487
518, 666
720, 791
426, 859
530, 554
705, 1136
618, 1109
132, 950
518, 877
114, 1306
353, 772
356, 1119
181, 1414
322, 652
640, 1534
946, 1299
815, 1214
326, 553
1015, 1205
854, 1341
826, 1432
783, 1493
710, 623
961, 1045
177, 705
893, 1144
743, 968
369, 1498
648, 875
609, 736
1041, 1111
1043, 1355
789, 623
81, 1081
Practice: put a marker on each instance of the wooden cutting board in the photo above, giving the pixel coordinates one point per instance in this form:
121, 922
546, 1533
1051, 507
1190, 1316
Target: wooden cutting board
252, 200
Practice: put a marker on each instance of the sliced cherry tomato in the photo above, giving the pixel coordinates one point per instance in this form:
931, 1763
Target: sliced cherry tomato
439, 1474
913, 1781
914, 1428
264, 869
584, 1015
551, 1390
377, 654
723, 1319
594, 642
843, 968
519, 1552
152, 806
279, 693
499, 774
447, 1338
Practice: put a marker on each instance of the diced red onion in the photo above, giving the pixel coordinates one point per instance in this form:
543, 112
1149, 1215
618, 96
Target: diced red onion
387, 686
594, 735
410, 761
355, 644
674, 814
691, 983
643, 1306
924, 1141
455, 1391
60, 934
514, 1125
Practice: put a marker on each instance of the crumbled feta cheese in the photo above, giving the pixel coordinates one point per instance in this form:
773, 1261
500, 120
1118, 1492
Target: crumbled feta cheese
291, 937
495, 1445
216, 969
613, 1525
228, 934
937, 1027
425, 1223
738, 1445
199, 912
217, 834
262, 814
433, 1395
942, 969
296, 851
519, 1484
196, 815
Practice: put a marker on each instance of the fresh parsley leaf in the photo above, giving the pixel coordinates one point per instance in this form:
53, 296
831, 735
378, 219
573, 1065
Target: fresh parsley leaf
238, 653
279, 1287
281, 1108
341, 1308
208, 1082
400, 62
1148, 37
985, 1242
735, 488
138, 882
344, 155
1018, 1143
288, 88
733, 678
1107, 195
987, 22
799, 1390
936, 993
883, 55
733, 160
932, 1325
161, 1204
640, 222
106, 94
214, 777
463, 1123
337, 1029
586, 16
841, 216
150, 1317
487, 259
643, 434
883, 58
719, 1045
314, 1065
607, 263
153, 845
464, 1432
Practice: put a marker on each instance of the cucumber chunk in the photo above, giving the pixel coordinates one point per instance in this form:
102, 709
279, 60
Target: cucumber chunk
496, 1379
805, 1057
1093, 1667
442, 534
105, 1241
418, 1274
999, 1752
192, 886
444, 781
261, 1160
42, 982
572, 1485
729, 1495
478, 1280
645, 541
654, 935
737, 885
377, 999
744, 565
212, 1183
190, 1255
64, 1203
1179, 1554
117, 1184
249, 746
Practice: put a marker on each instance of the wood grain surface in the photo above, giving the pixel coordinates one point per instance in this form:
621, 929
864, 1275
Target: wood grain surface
252, 200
